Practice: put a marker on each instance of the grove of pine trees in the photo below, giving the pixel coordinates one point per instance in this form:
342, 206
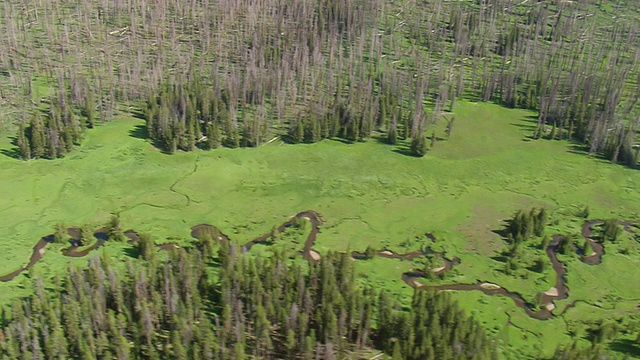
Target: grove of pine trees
253, 308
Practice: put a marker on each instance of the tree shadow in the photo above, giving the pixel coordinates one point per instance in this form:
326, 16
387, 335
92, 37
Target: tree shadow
132, 252
503, 232
626, 346
404, 151
138, 114
13, 152
535, 267
576, 147
382, 140
139, 132
525, 126
342, 140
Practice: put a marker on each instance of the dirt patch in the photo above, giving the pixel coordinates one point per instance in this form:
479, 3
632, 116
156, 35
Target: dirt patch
552, 292
314, 255
167, 247
490, 286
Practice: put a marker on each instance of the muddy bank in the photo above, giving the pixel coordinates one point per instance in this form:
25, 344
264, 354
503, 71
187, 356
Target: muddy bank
36, 255
541, 309
198, 231
389, 254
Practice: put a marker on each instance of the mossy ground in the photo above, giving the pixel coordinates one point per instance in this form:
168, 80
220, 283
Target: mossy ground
368, 194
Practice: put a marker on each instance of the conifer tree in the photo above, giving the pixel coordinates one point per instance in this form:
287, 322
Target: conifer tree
60, 234
419, 146
36, 136
146, 247
23, 143
298, 132
114, 232
392, 134
541, 222
545, 242
449, 127
89, 109
587, 248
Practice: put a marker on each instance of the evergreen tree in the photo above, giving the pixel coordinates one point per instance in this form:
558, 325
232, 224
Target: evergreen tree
275, 235
587, 248
449, 127
298, 132
566, 243
89, 109
611, 230
60, 234
23, 143
146, 247
114, 232
419, 146
541, 222
213, 136
392, 134
36, 136
86, 234
545, 242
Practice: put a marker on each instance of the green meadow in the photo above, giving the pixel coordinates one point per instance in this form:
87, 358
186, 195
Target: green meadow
369, 194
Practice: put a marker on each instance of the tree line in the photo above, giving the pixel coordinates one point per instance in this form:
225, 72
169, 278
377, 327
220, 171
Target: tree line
307, 71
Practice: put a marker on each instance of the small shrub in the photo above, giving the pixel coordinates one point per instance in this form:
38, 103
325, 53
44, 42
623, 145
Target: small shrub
60, 234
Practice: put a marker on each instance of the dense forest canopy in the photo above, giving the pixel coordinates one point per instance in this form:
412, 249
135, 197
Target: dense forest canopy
217, 73
263, 309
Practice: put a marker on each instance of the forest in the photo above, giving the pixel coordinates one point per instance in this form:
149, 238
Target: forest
212, 73
466, 156
162, 309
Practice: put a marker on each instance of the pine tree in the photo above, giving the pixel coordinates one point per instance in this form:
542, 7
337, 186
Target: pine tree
275, 235
146, 247
23, 143
541, 222
419, 146
298, 132
392, 134
86, 234
450, 127
565, 244
542, 264
545, 242
611, 230
587, 248
114, 232
213, 136
60, 234
89, 109
36, 135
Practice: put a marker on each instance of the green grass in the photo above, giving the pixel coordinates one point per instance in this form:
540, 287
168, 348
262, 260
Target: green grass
367, 193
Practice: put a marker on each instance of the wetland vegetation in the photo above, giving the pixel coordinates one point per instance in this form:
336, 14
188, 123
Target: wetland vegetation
332, 179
